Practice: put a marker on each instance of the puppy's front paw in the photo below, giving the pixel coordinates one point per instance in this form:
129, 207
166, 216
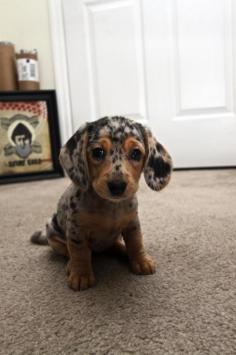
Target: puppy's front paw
78, 281
143, 265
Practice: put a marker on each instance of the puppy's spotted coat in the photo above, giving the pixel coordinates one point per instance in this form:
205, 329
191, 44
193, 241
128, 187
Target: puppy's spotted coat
104, 159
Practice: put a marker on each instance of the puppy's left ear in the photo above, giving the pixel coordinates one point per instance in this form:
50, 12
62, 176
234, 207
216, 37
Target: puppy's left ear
73, 158
158, 164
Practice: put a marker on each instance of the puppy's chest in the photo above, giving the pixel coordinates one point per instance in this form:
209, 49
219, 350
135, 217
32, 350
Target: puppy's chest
103, 229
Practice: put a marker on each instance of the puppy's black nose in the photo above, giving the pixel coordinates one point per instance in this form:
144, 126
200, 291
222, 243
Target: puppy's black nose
117, 188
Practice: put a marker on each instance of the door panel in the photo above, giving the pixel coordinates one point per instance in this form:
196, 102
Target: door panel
190, 51
200, 55
112, 54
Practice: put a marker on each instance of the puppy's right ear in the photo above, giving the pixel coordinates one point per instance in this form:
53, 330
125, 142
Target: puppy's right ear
73, 158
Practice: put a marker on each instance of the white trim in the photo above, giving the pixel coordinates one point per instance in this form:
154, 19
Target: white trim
56, 21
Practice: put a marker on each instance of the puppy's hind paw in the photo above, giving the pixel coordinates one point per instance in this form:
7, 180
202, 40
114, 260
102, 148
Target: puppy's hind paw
143, 266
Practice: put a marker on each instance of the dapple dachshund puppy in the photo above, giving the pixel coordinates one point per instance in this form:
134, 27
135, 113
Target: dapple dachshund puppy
104, 159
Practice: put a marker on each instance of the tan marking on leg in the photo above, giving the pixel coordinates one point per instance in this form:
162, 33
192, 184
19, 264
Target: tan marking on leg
79, 267
58, 245
140, 261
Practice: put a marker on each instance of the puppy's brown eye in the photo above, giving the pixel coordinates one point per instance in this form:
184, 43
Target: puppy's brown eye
136, 154
98, 154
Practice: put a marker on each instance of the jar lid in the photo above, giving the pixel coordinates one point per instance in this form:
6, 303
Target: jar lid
26, 51
5, 43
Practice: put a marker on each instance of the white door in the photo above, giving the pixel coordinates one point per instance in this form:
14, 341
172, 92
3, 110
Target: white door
168, 63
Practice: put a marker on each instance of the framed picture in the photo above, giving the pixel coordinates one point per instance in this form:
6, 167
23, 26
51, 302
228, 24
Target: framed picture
29, 136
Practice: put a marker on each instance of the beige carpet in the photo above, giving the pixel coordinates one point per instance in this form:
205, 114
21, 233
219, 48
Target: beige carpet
187, 307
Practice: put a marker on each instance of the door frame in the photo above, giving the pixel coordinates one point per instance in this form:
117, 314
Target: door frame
57, 29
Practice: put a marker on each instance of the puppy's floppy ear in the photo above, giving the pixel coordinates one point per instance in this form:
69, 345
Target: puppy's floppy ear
158, 164
73, 158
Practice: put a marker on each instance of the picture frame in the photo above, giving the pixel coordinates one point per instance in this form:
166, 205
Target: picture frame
29, 136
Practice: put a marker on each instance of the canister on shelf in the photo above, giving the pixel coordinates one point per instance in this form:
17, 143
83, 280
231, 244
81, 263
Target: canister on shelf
27, 70
8, 79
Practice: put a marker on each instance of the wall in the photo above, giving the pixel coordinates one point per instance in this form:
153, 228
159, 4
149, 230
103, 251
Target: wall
26, 24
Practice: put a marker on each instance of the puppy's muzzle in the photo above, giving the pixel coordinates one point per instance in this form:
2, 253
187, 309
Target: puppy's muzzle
117, 187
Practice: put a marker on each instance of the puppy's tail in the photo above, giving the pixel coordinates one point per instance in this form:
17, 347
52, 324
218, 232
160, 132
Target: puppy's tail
39, 238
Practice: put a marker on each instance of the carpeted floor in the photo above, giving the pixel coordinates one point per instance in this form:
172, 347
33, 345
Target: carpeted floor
187, 307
